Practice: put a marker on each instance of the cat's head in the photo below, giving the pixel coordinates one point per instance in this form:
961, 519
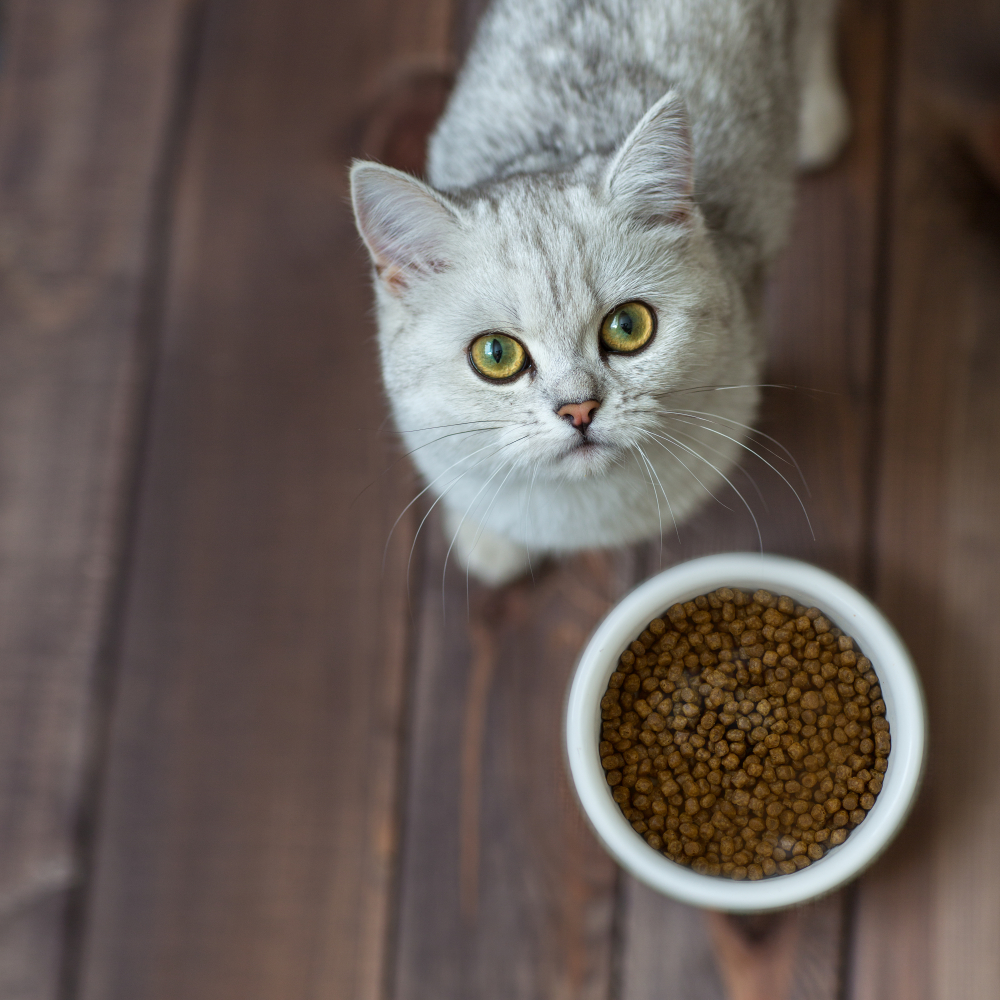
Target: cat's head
541, 320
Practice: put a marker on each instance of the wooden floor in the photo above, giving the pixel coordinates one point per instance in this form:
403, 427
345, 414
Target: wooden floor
241, 761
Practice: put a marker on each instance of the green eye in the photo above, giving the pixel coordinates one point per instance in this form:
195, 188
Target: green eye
497, 356
628, 327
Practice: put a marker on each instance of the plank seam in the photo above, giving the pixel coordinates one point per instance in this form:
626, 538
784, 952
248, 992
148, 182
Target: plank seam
881, 295
879, 385
404, 753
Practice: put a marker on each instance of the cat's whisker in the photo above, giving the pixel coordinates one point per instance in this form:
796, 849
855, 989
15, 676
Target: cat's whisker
423, 520
712, 430
738, 465
454, 538
667, 499
702, 415
632, 453
457, 423
703, 421
442, 495
659, 517
680, 444
527, 521
693, 474
412, 451
706, 417
479, 534
749, 385
464, 458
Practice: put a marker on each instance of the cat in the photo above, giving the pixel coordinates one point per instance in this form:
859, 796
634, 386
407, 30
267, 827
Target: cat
608, 185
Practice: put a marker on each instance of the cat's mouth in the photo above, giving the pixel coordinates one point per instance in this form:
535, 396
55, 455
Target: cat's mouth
585, 446
587, 455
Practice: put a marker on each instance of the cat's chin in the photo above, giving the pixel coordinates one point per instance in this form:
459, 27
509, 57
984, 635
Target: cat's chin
587, 458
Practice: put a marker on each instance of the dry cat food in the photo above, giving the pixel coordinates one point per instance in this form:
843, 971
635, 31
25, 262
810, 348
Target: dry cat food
743, 735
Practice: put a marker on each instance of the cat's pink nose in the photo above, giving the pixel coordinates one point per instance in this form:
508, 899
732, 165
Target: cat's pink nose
581, 413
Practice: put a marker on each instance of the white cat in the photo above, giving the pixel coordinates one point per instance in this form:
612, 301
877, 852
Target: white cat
608, 184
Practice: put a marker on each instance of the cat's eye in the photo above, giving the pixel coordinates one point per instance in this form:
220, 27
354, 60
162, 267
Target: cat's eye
628, 327
497, 356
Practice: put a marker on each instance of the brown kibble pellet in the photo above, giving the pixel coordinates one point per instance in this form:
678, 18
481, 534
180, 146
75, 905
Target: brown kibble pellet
736, 752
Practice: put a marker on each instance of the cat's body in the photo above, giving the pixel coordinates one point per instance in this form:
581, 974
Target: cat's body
570, 185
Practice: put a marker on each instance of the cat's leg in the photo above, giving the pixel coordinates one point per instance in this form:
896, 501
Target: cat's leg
824, 118
490, 558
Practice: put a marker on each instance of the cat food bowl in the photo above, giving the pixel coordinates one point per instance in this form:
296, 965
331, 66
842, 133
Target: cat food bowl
849, 611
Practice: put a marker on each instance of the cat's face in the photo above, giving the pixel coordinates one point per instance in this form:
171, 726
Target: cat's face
541, 324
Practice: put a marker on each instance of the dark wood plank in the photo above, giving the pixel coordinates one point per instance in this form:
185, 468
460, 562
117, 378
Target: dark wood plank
797, 954
822, 315
86, 94
247, 833
929, 913
672, 948
667, 948
504, 891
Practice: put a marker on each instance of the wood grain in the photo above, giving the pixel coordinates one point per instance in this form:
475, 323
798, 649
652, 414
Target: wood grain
821, 317
929, 914
86, 99
504, 891
795, 954
247, 834
284, 812
666, 949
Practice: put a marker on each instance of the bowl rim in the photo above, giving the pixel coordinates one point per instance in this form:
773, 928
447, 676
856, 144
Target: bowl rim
850, 611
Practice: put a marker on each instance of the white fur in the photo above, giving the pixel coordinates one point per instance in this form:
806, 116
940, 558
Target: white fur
555, 199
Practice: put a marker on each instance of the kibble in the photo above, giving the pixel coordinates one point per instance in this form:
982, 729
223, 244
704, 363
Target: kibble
744, 735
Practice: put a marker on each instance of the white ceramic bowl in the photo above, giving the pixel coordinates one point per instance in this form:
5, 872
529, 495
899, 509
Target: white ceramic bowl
848, 610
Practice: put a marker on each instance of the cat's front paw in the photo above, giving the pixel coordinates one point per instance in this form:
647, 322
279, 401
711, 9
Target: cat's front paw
825, 124
824, 115
490, 558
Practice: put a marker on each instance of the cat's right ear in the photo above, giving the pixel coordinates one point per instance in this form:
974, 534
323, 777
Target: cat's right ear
652, 174
409, 228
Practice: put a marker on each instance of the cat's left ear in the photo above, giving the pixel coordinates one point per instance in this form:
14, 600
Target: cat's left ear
408, 227
652, 174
